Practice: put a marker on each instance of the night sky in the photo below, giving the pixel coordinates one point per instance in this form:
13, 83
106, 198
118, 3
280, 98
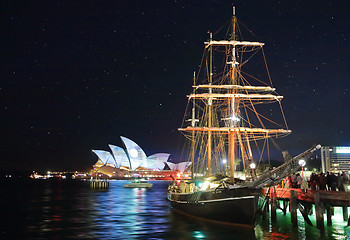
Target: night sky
76, 75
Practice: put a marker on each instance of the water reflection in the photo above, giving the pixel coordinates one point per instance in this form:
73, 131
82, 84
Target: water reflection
71, 210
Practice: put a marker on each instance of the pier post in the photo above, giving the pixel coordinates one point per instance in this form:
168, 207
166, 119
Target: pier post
273, 205
284, 207
319, 211
329, 215
266, 210
345, 214
304, 211
293, 207
98, 184
309, 209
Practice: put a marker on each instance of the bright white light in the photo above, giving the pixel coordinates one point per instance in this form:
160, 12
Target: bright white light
252, 165
234, 118
205, 185
224, 161
302, 162
134, 153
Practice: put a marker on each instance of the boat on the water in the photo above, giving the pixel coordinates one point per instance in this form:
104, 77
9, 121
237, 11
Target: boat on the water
139, 183
224, 126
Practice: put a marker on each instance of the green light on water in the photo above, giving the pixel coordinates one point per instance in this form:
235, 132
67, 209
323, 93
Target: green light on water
283, 229
198, 235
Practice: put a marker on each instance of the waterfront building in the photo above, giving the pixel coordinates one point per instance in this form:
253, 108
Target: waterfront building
335, 158
133, 162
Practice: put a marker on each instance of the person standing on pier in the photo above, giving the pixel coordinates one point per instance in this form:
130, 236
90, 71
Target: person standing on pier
333, 181
313, 181
299, 180
341, 182
294, 181
328, 181
322, 181
289, 182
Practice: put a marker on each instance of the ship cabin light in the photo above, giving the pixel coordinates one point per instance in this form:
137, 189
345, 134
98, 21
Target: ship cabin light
204, 186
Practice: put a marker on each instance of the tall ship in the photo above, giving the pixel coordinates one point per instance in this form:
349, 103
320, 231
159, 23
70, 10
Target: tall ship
228, 130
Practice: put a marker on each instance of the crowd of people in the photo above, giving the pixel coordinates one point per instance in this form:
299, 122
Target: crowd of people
327, 182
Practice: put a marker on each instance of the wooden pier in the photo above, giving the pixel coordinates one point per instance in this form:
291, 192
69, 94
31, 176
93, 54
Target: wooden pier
99, 184
303, 200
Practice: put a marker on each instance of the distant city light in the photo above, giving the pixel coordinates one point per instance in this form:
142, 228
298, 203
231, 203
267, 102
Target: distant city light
342, 149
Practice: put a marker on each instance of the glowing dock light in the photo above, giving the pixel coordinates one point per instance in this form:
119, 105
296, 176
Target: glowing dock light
302, 163
252, 165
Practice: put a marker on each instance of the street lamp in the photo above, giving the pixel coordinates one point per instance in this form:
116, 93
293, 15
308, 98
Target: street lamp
252, 166
302, 163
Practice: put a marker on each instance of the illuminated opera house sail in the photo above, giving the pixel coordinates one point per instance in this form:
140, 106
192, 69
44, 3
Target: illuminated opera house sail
120, 162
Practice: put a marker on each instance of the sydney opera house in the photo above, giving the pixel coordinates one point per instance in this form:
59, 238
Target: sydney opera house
120, 163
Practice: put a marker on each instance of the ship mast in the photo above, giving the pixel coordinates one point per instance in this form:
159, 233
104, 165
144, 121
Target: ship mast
193, 124
233, 94
210, 103
232, 110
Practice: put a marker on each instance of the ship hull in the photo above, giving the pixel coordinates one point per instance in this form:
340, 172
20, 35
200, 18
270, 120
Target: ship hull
236, 206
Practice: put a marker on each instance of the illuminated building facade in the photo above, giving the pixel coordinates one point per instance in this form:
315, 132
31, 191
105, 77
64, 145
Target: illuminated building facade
335, 159
133, 161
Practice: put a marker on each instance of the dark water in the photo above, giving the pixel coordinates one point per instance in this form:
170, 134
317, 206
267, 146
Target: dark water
67, 209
